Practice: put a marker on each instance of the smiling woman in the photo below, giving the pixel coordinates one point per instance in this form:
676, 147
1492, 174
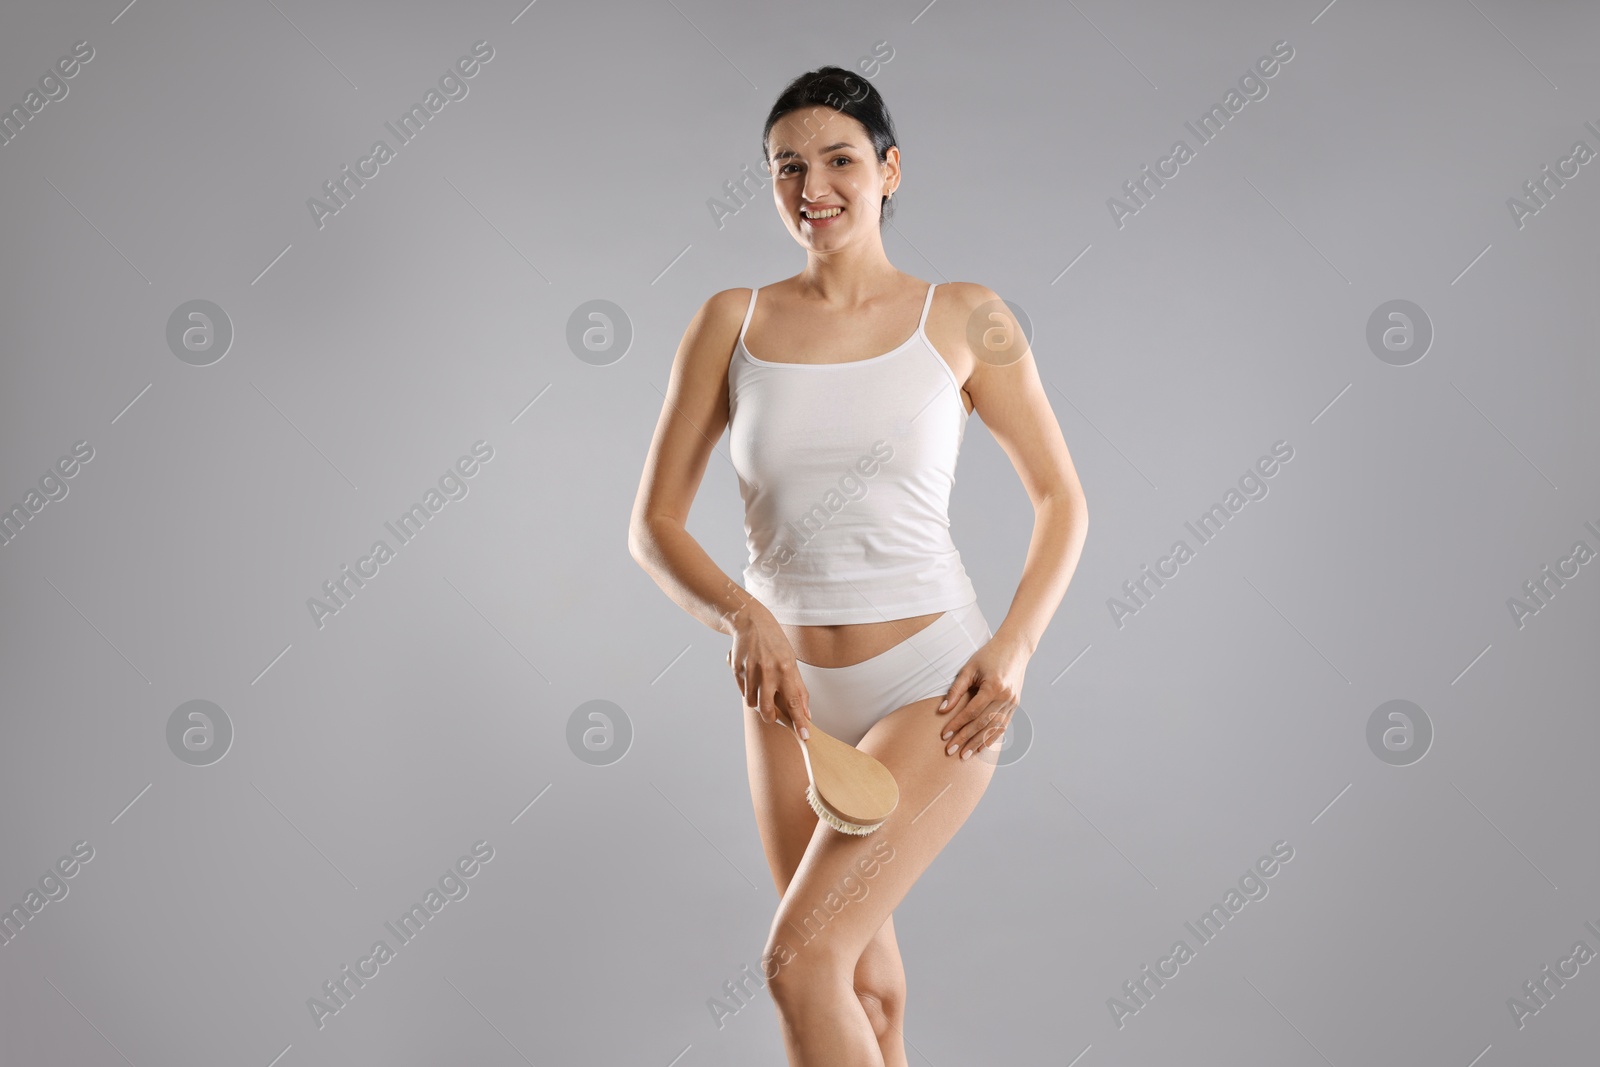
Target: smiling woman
745, 188
872, 611
848, 95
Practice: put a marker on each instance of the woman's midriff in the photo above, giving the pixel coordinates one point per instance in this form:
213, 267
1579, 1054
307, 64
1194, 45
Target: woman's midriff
846, 645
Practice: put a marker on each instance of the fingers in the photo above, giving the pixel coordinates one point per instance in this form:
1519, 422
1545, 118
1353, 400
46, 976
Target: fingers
748, 679
770, 693
788, 693
798, 687
981, 722
775, 698
798, 700
958, 702
958, 688
773, 689
985, 728
961, 733
968, 710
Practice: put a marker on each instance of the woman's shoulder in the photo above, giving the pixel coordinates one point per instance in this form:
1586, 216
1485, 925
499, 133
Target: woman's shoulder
959, 304
974, 325
723, 299
708, 340
967, 294
713, 332
723, 311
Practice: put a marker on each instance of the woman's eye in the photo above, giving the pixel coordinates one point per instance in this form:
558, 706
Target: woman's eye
841, 159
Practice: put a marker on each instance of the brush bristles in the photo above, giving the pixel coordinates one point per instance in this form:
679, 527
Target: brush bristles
833, 820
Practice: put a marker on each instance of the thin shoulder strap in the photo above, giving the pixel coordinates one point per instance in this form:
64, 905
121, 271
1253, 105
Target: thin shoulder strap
926, 304
748, 312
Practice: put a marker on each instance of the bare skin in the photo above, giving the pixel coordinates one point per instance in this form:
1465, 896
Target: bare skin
835, 973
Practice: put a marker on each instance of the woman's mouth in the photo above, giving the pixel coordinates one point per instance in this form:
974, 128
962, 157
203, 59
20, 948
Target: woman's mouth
824, 216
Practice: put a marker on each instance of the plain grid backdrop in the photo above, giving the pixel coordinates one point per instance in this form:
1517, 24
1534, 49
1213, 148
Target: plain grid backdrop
444, 706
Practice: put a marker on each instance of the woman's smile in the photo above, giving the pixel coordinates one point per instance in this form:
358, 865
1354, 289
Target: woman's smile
824, 216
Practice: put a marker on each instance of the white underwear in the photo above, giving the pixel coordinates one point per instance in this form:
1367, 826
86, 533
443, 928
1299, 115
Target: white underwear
846, 701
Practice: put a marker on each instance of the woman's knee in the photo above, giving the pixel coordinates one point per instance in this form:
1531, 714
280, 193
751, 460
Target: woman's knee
884, 1000
796, 976
880, 982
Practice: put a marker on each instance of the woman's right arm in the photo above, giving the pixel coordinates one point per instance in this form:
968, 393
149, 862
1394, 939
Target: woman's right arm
693, 417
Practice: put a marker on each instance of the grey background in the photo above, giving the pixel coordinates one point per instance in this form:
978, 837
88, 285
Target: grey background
369, 754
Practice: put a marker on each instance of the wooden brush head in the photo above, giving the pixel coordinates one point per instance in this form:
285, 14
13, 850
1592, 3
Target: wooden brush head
855, 787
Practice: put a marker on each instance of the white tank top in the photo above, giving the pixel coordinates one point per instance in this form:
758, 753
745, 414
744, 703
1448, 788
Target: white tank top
846, 471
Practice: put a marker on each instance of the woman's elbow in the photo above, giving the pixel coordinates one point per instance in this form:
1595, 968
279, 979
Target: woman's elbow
639, 542
1068, 500
644, 543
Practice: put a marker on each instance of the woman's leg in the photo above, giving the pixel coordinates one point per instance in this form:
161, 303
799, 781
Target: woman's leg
844, 888
880, 985
778, 788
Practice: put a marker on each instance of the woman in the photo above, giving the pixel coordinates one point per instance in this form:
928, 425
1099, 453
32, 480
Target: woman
856, 613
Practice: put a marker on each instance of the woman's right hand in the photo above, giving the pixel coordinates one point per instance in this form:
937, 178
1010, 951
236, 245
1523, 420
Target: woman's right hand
764, 669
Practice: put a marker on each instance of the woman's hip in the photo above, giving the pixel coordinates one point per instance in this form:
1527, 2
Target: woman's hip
846, 701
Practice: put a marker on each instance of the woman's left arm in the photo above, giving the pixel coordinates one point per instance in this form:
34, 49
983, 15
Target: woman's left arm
1006, 390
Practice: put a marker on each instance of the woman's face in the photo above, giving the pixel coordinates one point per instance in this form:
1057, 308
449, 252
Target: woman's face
822, 162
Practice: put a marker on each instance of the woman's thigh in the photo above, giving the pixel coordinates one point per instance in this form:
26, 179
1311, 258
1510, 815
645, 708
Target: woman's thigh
778, 791
785, 820
845, 886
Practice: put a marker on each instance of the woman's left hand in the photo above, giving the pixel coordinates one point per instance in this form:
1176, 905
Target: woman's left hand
983, 697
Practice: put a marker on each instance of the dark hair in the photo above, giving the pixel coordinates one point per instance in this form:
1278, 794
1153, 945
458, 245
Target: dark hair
847, 93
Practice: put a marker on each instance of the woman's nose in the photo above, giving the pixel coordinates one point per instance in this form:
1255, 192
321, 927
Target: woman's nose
815, 192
